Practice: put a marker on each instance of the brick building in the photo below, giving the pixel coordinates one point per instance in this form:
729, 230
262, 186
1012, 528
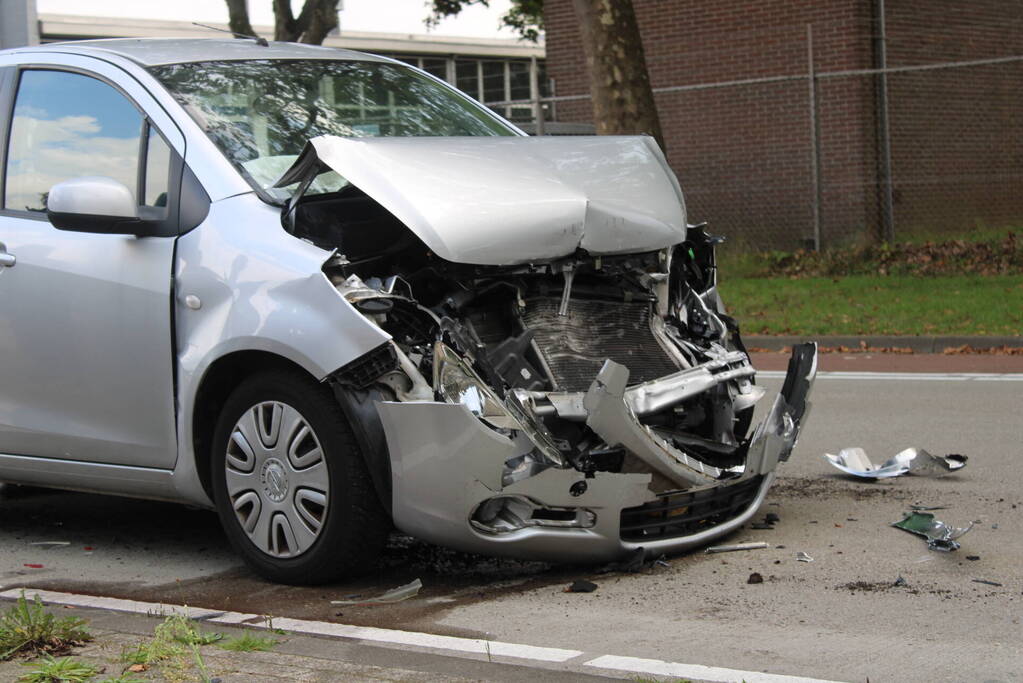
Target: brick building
741, 128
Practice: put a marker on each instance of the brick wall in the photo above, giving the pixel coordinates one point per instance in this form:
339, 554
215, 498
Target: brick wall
743, 152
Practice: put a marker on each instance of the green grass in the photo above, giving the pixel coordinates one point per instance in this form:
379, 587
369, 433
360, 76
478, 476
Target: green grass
27, 628
248, 642
63, 670
860, 304
175, 649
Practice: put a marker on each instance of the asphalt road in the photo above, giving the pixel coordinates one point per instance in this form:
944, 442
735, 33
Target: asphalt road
839, 617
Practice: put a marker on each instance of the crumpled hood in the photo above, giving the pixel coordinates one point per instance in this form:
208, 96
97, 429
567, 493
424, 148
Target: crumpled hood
508, 200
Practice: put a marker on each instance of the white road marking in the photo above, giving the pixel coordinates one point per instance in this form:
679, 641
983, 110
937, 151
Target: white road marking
702, 673
115, 604
475, 646
903, 376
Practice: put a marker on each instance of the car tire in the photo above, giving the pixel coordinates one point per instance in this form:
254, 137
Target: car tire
290, 484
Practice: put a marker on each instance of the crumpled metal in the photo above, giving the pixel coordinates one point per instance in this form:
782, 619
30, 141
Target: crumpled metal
939, 535
854, 461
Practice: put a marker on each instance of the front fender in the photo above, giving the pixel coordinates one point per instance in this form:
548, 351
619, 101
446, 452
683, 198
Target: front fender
243, 284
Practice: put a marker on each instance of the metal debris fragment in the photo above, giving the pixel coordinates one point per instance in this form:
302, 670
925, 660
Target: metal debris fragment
939, 535
50, 544
803, 557
899, 582
395, 595
581, 586
733, 548
854, 461
986, 582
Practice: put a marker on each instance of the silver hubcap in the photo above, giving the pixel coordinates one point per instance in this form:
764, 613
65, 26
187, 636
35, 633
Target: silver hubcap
277, 479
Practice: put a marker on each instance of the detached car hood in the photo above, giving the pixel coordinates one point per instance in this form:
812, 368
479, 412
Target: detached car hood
508, 200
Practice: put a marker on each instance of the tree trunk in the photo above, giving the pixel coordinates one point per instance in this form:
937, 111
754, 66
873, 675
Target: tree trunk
238, 18
623, 102
322, 19
286, 27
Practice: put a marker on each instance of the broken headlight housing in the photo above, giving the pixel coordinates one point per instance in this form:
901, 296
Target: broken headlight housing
455, 381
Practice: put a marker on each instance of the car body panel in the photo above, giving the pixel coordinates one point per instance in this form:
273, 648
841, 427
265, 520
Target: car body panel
509, 200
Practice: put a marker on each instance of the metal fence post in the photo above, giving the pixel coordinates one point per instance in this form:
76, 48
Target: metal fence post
888, 203
815, 141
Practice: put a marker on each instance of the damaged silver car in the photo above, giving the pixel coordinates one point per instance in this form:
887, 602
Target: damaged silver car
326, 293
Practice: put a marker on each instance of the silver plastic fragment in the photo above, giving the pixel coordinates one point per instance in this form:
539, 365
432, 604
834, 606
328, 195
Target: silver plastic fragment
803, 557
395, 595
734, 548
854, 461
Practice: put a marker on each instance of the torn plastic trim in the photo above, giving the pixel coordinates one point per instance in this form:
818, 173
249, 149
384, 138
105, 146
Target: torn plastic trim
506, 513
612, 420
659, 394
610, 417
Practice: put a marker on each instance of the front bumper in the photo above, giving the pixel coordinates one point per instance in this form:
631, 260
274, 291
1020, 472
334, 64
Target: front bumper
445, 463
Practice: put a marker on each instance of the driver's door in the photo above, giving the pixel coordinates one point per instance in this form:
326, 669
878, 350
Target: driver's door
86, 363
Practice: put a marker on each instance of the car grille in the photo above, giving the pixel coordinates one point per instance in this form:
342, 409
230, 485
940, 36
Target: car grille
686, 513
576, 345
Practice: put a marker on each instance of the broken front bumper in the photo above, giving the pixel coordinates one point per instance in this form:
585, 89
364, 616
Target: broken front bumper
447, 469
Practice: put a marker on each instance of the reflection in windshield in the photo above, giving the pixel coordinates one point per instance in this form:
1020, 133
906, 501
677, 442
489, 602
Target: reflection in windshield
260, 113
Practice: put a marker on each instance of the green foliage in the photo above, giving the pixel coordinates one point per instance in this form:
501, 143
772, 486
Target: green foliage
248, 642
525, 17
987, 254
27, 628
63, 670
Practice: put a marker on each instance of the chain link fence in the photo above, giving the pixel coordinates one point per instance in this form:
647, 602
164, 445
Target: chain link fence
829, 156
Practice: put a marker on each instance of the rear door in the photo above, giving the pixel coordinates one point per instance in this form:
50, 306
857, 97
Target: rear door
86, 362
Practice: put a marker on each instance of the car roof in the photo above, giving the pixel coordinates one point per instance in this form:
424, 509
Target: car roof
157, 51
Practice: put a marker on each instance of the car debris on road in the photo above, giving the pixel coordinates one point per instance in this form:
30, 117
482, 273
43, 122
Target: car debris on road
917, 461
398, 594
734, 548
939, 535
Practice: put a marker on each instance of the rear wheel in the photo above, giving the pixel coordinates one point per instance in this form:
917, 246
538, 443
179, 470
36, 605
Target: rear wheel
290, 484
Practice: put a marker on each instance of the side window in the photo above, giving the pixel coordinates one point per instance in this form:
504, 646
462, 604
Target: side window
67, 125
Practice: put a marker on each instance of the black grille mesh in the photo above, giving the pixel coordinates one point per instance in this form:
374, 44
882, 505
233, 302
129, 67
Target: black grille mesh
576, 345
683, 514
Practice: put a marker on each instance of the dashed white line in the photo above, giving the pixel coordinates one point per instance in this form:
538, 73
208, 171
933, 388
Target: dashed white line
427, 641
904, 376
702, 673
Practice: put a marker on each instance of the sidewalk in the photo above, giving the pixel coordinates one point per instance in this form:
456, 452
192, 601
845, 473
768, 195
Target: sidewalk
295, 657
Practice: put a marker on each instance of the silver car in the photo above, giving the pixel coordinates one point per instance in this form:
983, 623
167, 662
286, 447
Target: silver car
328, 295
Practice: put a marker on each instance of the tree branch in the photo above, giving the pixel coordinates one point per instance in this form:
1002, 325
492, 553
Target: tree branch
238, 17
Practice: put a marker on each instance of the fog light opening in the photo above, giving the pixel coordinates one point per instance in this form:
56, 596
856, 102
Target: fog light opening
504, 514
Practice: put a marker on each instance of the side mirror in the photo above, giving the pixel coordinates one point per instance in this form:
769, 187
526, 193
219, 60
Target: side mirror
95, 204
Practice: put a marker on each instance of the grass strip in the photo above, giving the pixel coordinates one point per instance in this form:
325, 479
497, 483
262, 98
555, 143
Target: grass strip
863, 304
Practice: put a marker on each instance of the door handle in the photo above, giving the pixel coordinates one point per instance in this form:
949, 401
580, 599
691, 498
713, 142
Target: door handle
6, 260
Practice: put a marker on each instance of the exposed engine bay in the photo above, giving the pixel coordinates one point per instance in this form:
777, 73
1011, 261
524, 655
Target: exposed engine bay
520, 346
522, 401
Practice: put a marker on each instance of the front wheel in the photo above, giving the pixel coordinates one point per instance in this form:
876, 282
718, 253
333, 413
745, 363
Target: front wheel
290, 485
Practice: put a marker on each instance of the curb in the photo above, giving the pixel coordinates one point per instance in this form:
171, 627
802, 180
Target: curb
919, 344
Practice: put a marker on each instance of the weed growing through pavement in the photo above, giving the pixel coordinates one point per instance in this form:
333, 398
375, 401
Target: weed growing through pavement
64, 670
174, 648
28, 629
248, 642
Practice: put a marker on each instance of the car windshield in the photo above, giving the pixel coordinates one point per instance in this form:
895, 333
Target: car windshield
260, 113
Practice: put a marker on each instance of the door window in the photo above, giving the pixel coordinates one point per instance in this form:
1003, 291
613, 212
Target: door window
67, 125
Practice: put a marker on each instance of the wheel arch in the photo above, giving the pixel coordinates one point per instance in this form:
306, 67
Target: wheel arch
226, 373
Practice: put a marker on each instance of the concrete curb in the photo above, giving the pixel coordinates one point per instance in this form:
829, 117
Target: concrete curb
919, 344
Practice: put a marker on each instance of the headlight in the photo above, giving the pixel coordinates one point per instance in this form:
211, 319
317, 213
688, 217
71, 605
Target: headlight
457, 383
